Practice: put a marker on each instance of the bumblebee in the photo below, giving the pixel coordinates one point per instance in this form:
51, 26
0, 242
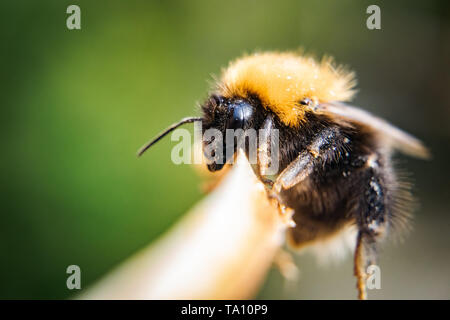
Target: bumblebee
335, 166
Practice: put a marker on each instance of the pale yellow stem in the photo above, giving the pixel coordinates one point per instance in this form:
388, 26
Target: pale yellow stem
221, 249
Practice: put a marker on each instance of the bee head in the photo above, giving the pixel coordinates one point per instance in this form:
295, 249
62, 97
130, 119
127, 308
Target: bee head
222, 116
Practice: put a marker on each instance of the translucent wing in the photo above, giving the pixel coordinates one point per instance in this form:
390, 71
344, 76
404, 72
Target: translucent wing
391, 135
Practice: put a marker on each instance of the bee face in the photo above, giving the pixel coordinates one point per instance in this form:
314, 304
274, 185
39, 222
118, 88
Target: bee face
225, 114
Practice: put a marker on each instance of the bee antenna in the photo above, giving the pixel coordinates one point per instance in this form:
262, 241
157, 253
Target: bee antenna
166, 132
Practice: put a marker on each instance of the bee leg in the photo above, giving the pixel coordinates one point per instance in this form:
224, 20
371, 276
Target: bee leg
295, 172
267, 159
324, 146
359, 266
264, 148
371, 214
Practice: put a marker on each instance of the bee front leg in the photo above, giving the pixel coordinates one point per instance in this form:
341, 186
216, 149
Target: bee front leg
268, 162
264, 150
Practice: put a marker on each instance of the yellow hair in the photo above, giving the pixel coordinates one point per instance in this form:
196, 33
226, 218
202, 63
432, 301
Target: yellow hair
282, 80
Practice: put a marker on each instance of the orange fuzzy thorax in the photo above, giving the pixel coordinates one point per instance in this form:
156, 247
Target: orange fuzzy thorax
282, 80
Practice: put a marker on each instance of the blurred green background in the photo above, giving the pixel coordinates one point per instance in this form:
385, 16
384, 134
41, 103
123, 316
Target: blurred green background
76, 105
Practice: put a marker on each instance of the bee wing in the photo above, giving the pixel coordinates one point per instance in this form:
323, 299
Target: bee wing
391, 135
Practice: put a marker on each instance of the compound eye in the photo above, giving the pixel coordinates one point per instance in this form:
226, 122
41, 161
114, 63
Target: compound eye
241, 113
217, 100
